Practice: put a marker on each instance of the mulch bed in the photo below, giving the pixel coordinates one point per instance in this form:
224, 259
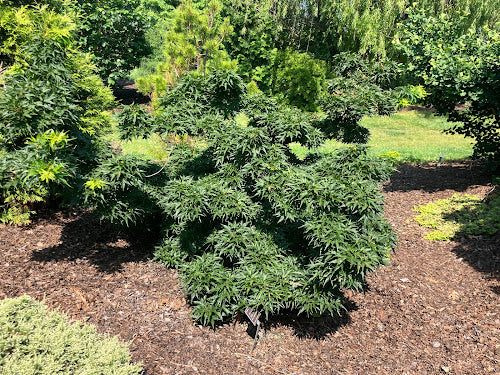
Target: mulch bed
435, 309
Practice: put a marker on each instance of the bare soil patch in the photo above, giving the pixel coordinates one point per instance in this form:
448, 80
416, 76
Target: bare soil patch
435, 309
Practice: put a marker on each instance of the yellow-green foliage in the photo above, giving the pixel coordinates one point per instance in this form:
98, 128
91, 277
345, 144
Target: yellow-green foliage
21, 25
459, 215
36, 341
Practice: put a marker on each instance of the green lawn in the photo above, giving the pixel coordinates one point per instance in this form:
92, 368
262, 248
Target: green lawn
416, 135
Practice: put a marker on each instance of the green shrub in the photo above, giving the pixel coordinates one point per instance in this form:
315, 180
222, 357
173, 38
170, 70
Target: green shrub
199, 104
460, 215
461, 72
254, 41
359, 88
134, 121
120, 191
34, 340
115, 33
34, 173
298, 78
53, 108
244, 220
410, 95
346, 101
192, 42
253, 229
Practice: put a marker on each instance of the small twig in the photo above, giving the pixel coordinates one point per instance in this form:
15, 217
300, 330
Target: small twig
256, 338
161, 169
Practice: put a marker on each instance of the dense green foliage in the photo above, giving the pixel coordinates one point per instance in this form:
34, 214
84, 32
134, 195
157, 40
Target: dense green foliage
234, 83
114, 31
358, 89
134, 121
462, 74
245, 221
253, 229
369, 26
52, 111
192, 43
34, 340
460, 215
298, 79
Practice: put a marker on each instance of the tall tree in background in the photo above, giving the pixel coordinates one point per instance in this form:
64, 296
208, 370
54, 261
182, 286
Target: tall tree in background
461, 71
369, 26
193, 43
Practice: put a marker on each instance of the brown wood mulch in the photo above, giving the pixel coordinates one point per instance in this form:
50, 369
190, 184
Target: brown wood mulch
435, 309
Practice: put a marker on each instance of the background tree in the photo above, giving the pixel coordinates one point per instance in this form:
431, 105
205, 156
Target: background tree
114, 31
192, 43
461, 71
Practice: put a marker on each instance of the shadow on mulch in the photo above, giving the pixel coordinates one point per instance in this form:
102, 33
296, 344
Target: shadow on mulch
483, 254
317, 328
89, 239
431, 178
126, 93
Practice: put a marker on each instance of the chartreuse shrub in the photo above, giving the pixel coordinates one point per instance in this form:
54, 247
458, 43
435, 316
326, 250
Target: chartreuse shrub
34, 340
298, 78
460, 215
53, 108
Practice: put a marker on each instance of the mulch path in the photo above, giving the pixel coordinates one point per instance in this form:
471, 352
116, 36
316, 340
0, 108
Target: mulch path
435, 309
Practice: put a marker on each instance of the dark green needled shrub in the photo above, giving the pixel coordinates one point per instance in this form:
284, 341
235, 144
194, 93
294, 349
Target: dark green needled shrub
200, 103
256, 227
247, 223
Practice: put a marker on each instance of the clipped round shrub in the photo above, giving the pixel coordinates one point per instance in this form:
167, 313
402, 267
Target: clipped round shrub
34, 340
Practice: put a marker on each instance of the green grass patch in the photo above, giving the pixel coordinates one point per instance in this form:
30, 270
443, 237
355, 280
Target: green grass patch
417, 136
152, 148
34, 340
460, 215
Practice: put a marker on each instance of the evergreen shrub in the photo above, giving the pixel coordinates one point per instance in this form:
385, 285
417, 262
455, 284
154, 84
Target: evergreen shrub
244, 221
200, 103
134, 121
53, 108
34, 340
